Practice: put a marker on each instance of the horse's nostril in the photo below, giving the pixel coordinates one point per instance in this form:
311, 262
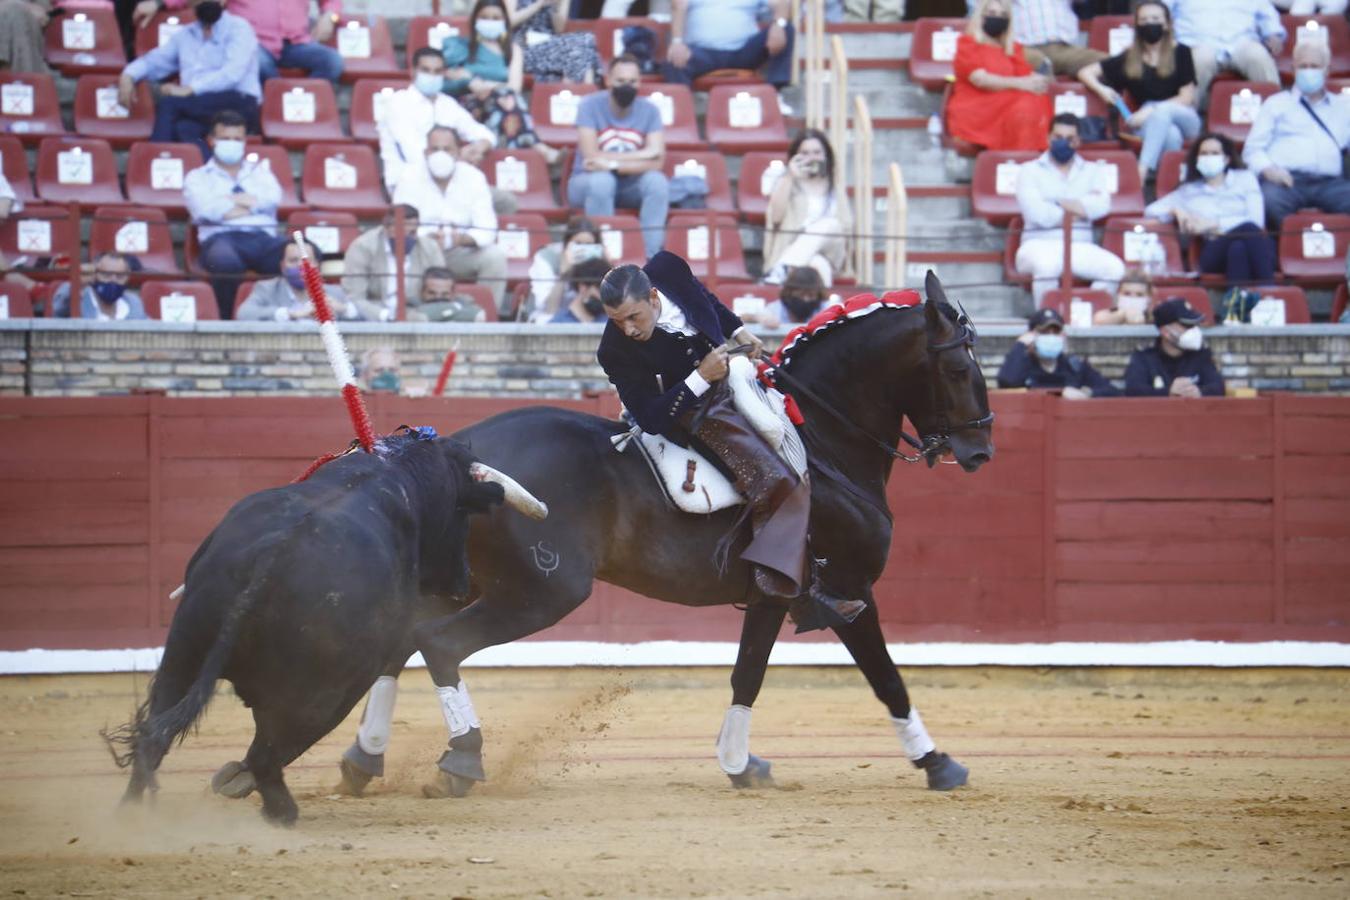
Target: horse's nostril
979, 458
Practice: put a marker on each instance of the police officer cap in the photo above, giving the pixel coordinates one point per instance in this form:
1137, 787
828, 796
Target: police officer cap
1176, 310
1043, 317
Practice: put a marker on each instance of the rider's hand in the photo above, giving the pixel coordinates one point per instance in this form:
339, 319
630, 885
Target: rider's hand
714, 365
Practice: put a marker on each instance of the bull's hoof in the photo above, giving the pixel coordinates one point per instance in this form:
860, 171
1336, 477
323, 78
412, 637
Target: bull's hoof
353, 781
756, 775
944, 773
233, 781
447, 785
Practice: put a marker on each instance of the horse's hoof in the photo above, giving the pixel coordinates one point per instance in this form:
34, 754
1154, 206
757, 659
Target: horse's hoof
233, 781
756, 774
354, 779
447, 785
944, 773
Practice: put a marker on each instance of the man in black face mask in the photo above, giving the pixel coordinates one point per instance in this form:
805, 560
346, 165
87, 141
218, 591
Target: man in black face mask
581, 303
620, 153
106, 298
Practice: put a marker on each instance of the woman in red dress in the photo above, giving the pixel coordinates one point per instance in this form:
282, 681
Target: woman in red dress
997, 102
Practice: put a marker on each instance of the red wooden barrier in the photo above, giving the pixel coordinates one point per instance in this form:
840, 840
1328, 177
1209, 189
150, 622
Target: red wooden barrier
1121, 520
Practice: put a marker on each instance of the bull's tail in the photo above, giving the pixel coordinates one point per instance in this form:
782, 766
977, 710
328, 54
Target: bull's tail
180, 698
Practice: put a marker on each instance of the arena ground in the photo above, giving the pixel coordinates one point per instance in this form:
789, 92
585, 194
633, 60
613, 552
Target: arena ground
1084, 783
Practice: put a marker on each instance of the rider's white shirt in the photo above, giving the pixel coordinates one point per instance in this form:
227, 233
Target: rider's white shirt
671, 318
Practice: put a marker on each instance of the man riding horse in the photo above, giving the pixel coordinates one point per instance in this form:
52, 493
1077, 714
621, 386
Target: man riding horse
665, 350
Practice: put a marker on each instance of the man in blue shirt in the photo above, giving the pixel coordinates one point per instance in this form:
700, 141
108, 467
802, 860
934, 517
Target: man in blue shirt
233, 202
1178, 364
620, 153
725, 34
1298, 140
216, 61
1038, 360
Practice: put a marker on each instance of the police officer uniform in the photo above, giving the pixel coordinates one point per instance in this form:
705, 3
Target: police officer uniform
1151, 370
1022, 368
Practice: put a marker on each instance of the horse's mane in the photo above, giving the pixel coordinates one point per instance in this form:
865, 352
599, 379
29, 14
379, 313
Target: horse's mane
856, 309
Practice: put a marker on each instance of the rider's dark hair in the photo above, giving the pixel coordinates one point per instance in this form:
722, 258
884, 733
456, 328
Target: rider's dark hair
624, 283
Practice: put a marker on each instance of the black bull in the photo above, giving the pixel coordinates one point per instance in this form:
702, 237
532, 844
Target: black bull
608, 521
303, 594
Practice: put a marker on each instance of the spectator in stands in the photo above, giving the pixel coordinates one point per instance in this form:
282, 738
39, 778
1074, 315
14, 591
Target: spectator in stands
1298, 140
233, 203
9, 201
581, 301
1133, 299
997, 101
380, 371
485, 73
285, 38
1057, 182
726, 34
803, 294
808, 222
551, 55
409, 115
1159, 75
106, 298
1220, 205
1038, 360
621, 149
216, 61
284, 299
1311, 7
552, 266
369, 270
441, 303
1048, 31
1178, 364
21, 40
1242, 36
454, 203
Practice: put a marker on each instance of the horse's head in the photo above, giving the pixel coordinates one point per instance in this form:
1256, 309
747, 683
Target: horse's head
956, 416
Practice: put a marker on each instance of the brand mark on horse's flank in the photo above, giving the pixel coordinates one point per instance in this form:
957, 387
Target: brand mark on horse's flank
546, 559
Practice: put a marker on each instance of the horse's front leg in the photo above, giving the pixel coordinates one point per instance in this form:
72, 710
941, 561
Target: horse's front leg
867, 645
759, 632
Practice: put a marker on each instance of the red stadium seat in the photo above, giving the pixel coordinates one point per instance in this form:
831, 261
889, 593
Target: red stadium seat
687, 236
85, 40
1061, 301
1296, 310
41, 232
344, 177
155, 174
366, 47
29, 107
78, 170
15, 301
300, 111
1339, 302
680, 125
280, 162
1171, 171
99, 115
1111, 35
1010, 246
742, 118
553, 106
139, 231
737, 295
14, 166
482, 295
162, 27
993, 187
1125, 236
932, 51
1074, 97
609, 34
368, 96
759, 173
1333, 29
431, 31
712, 168
1197, 297
521, 236
1313, 247
1233, 106
622, 238
1128, 198
333, 232
202, 307
525, 174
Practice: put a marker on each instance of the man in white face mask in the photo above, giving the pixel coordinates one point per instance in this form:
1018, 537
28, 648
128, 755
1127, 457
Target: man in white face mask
1178, 364
454, 203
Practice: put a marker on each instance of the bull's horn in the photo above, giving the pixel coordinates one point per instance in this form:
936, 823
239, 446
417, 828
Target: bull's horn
516, 495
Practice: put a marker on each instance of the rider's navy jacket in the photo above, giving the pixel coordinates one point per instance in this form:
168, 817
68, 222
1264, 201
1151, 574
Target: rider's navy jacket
1019, 369
649, 375
1150, 372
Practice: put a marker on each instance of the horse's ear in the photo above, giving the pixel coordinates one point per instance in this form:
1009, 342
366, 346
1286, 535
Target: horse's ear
935, 297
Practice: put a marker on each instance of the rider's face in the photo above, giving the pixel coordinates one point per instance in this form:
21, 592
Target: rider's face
636, 318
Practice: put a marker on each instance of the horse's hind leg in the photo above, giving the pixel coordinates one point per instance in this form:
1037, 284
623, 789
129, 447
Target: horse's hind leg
759, 632
867, 645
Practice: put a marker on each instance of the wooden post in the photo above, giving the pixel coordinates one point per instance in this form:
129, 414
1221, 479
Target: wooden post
897, 227
76, 274
1066, 274
400, 264
839, 107
711, 219
817, 85
862, 188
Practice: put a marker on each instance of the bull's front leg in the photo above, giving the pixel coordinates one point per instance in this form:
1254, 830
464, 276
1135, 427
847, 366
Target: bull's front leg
364, 759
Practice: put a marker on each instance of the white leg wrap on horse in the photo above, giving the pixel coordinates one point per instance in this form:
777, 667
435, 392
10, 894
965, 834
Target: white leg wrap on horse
373, 735
458, 709
913, 736
733, 741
